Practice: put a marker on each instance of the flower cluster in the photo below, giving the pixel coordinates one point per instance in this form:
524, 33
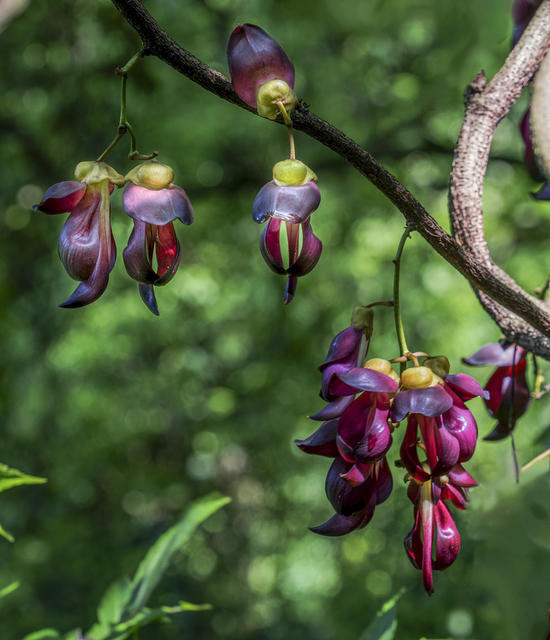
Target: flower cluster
86, 245
366, 401
263, 77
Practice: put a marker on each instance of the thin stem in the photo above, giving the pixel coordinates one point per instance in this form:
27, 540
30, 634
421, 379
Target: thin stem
288, 122
116, 140
541, 456
400, 332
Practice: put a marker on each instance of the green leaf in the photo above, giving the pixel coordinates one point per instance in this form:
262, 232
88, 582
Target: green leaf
10, 478
159, 556
121, 610
384, 626
10, 588
43, 634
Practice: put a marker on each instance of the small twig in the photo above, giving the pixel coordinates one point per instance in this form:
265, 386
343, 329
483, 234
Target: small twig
541, 456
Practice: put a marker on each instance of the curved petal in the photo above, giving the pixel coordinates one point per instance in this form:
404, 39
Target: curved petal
270, 246
344, 347
167, 249
430, 401
413, 542
61, 197
455, 495
384, 480
465, 386
157, 207
460, 477
147, 294
345, 498
496, 354
460, 422
290, 289
138, 254
543, 193
310, 253
368, 380
448, 448
322, 442
447, 538
333, 409
86, 246
254, 57
501, 431
290, 203
339, 525
409, 453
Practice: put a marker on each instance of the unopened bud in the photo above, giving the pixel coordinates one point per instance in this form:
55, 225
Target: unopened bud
417, 377
379, 364
270, 93
151, 175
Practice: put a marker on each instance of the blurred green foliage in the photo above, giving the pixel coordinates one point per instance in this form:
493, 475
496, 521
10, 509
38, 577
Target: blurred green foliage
130, 416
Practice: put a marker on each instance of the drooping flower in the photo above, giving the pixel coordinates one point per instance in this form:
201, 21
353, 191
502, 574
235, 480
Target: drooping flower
432, 519
290, 198
261, 72
154, 203
86, 244
507, 387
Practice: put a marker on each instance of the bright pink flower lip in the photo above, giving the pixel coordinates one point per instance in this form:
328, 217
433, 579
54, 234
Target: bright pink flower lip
61, 197
254, 57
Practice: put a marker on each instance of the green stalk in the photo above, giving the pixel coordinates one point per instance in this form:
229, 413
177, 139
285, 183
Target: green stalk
399, 330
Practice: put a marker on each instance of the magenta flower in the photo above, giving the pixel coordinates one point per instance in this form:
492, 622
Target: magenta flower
291, 197
260, 70
86, 245
154, 203
432, 519
507, 387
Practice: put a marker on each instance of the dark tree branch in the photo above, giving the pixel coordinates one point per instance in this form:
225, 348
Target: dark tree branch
484, 275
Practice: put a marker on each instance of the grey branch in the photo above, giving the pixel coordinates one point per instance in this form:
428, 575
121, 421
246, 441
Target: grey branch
519, 315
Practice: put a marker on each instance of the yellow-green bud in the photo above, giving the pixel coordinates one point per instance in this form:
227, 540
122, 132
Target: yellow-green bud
439, 365
417, 378
152, 175
361, 320
289, 172
271, 92
92, 172
379, 364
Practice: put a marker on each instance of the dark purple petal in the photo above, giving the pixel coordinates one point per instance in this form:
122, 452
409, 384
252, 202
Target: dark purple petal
500, 432
270, 246
310, 253
543, 193
290, 289
460, 422
496, 354
466, 386
362, 379
290, 203
413, 542
363, 433
455, 495
339, 525
346, 499
86, 246
345, 347
322, 442
138, 254
357, 475
254, 57
409, 453
61, 197
332, 386
529, 156
428, 429
167, 250
430, 401
384, 480
147, 294
157, 207
448, 448
460, 477
333, 409
447, 538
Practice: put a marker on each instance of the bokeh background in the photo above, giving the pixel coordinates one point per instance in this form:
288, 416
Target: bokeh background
131, 416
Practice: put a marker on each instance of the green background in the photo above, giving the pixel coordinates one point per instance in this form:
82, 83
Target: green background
131, 416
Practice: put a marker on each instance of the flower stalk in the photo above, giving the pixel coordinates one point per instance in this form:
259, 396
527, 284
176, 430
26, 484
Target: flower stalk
399, 329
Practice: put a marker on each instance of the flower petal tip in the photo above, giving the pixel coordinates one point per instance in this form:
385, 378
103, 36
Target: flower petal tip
147, 293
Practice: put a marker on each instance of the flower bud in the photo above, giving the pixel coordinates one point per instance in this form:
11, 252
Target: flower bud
361, 319
272, 92
151, 175
417, 378
92, 172
379, 364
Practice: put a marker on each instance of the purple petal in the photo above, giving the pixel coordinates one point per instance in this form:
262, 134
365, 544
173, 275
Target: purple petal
455, 495
460, 422
310, 253
368, 380
543, 193
460, 477
344, 347
495, 354
339, 525
61, 197
430, 401
447, 538
501, 431
270, 246
290, 203
322, 442
409, 453
529, 155
87, 248
290, 289
448, 449
413, 542
356, 475
147, 293
346, 499
254, 57
138, 254
466, 386
384, 481
157, 206
363, 433
333, 409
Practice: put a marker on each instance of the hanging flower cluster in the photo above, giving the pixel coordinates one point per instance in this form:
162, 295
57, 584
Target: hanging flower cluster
366, 401
86, 245
263, 77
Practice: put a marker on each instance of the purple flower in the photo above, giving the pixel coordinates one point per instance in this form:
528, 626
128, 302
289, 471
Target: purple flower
507, 387
86, 244
154, 203
260, 70
291, 197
